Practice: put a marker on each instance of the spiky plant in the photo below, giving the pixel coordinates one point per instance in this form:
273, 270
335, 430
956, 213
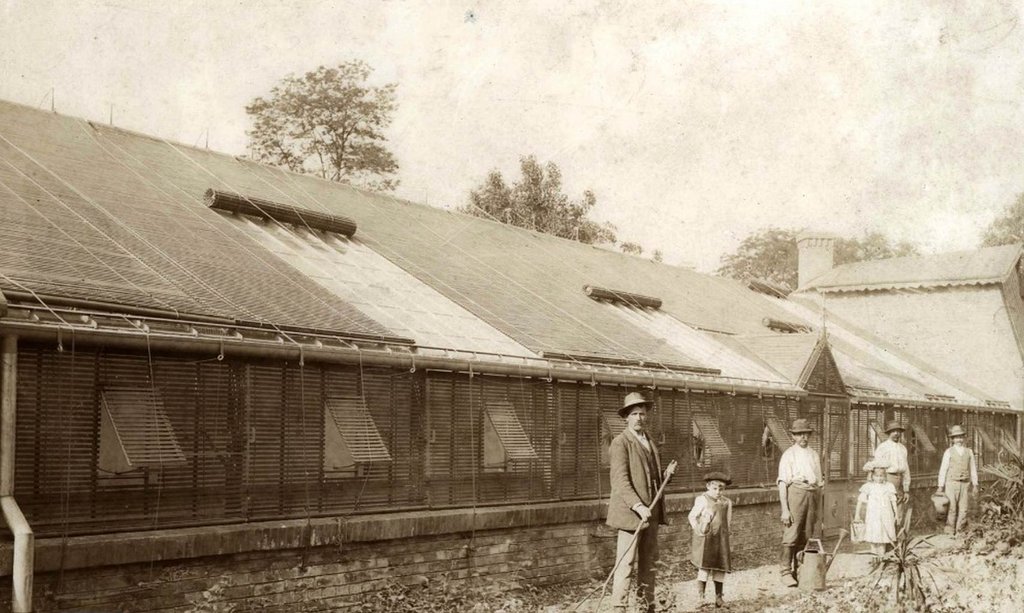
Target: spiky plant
907, 567
1005, 495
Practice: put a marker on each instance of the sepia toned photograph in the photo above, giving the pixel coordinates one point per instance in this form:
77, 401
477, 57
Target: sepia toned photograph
511, 306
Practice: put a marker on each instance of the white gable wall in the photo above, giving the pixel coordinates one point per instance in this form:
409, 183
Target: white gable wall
964, 331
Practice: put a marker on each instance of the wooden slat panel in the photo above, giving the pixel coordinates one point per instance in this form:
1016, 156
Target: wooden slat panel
780, 435
513, 438
713, 441
143, 429
357, 428
923, 440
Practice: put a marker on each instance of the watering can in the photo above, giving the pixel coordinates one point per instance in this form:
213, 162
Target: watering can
813, 563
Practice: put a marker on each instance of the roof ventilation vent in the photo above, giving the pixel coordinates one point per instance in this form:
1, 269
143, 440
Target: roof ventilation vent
614, 295
284, 213
768, 288
778, 325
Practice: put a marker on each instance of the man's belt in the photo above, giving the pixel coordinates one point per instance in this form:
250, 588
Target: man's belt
803, 485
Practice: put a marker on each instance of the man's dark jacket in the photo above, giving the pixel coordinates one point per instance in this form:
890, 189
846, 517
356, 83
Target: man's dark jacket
633, 481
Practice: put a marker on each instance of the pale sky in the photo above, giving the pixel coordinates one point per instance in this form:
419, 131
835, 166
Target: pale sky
695, 123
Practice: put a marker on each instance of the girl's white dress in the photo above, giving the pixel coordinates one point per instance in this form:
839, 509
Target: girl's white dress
880, 515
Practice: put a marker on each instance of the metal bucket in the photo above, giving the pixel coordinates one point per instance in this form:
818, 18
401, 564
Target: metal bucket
941, 504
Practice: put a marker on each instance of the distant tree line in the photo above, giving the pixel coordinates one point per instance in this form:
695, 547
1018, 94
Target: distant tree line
771, 254
536, 201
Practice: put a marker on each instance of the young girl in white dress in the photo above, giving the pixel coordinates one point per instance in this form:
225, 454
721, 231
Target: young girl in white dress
878, 499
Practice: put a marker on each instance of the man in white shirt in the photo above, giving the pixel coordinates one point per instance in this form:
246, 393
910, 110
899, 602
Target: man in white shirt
959, 469
892, 452
800, 485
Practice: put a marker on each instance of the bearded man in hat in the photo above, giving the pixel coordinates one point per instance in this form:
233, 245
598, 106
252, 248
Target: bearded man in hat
959, 469
635, 479
800, 486
894, 454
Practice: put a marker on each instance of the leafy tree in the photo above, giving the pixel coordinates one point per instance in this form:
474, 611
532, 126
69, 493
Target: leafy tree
328, 122
768, 254
536, 202
657, 255
631, 248
771, 254
1008, 227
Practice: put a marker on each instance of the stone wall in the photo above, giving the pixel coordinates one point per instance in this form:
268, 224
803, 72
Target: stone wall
330, 564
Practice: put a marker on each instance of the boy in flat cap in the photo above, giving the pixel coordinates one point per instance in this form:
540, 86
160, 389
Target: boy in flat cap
635, 479
959, 469
800, 485
710, 519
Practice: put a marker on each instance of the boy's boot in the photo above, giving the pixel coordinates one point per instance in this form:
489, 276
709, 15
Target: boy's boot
719, 590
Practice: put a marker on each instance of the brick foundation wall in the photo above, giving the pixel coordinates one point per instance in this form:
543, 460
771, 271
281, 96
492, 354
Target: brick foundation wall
329, 565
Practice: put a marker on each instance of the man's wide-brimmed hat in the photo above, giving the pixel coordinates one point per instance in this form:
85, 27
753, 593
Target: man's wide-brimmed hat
632, 399
957, 430
893, 425
718, 476
801, 425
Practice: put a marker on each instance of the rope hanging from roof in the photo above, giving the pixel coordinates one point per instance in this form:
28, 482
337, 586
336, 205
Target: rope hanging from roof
627, 298
284, 213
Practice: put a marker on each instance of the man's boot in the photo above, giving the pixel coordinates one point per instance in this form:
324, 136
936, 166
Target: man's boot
786, 566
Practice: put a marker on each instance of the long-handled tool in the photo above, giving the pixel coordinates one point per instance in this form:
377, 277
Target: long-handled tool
669, 471
842, 535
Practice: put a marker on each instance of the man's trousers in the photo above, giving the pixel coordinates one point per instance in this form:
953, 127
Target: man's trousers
637, 562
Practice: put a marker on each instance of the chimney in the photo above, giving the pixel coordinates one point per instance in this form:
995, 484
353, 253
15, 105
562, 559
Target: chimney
815, 251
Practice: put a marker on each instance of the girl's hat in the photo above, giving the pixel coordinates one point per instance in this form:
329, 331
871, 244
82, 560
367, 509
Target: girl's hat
957, 430
873, 465
718, 476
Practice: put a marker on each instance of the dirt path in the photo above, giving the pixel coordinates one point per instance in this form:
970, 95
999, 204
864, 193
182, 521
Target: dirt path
758, 588
751, 588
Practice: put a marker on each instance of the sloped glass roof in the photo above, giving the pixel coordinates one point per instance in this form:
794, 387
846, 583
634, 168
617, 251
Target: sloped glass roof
380, 289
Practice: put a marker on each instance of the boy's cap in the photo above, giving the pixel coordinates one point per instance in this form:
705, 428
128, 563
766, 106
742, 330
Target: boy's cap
718, 476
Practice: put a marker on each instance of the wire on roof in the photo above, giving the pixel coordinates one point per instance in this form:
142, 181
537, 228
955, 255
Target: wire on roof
284, 213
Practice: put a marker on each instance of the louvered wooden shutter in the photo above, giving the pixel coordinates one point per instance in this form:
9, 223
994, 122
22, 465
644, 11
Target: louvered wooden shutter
135, 432
783, 440
511, 436
987, 439
613, 424
714, 444
923, 440
357, 431
879, 430
581, 441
